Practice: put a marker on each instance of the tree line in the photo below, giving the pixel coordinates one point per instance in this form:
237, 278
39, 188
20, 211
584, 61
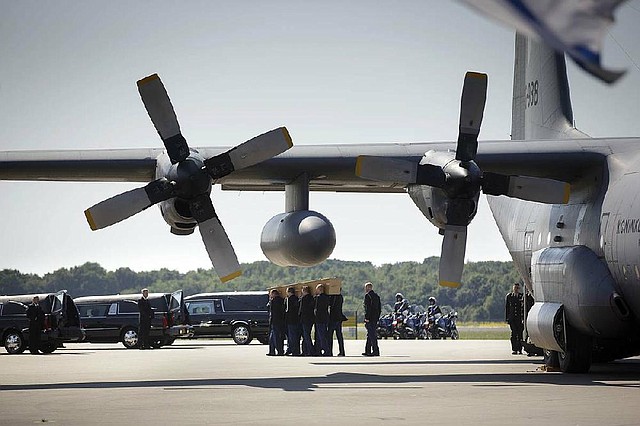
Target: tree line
480, 298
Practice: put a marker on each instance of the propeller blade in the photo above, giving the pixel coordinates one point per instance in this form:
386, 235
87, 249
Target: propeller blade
541, 190
386, 169
452, 257
251, 152
158, 105
215, 239
474, 96
127, 204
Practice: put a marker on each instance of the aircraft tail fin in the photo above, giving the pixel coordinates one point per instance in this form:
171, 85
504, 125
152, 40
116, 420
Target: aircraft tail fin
541, 106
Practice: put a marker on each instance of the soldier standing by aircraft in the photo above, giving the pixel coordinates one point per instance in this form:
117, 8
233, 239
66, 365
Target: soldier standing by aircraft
144, 322
36, 324
372, 310
276, 323
307, 318
513, 314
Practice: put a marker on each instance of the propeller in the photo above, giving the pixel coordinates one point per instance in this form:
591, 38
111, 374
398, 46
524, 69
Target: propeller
189, 178
461, 180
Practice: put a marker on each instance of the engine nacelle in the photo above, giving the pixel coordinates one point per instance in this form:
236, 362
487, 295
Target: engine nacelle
433, 203
178, 216
299, 238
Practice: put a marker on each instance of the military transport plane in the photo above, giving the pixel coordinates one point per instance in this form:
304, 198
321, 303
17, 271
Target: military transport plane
565, 204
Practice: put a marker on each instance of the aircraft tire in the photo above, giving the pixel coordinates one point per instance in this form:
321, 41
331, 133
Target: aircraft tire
577, 357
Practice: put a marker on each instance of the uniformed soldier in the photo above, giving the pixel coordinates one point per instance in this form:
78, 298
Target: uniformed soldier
513, 315
36, 324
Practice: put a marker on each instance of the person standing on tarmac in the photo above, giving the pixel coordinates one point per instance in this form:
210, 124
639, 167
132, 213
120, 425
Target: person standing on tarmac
335, 322
291, 308
36, 324
513, 315
276, 323
307, 318
372, 310
144, 321
322, 320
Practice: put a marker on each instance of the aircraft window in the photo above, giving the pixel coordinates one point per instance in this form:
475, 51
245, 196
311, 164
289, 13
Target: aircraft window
113, 309
128, 307
200, 308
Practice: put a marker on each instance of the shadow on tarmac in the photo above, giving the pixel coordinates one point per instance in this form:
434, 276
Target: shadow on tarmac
604, 375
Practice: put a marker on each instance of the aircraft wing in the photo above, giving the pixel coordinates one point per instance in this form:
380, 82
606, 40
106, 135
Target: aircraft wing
329, 167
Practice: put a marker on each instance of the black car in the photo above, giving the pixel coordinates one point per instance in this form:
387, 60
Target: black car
242, 315
61, 324
115, 318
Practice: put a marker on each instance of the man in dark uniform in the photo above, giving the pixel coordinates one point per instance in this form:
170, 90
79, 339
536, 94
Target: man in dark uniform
321, 312
335, 322
144, 321
36, 324
276, 323
513, 315
307, 318
372, 310
292, 307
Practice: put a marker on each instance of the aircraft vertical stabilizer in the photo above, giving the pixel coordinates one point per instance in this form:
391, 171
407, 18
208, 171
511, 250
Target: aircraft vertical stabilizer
541, 106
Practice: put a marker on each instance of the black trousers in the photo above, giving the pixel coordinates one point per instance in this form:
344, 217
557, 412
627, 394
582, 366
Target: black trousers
516, 335
143, 335
34, 338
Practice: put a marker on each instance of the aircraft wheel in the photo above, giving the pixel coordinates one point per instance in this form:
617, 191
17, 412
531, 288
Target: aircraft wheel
577, 357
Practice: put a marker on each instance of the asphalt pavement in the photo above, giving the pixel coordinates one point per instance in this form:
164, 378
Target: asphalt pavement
214, 382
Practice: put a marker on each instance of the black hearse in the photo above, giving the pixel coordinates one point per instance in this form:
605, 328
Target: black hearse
61, 324
242, 315
114, 318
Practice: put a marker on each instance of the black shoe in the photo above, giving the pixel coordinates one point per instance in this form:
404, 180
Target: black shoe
271, 354
376, 354
342, 354
366, 354
519, 352
514, 353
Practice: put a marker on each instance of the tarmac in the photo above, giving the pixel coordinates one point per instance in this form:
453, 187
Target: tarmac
215, 382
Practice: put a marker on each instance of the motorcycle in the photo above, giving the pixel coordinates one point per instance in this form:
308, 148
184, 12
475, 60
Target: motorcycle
399, 326
443, 326
384, 328
414, 326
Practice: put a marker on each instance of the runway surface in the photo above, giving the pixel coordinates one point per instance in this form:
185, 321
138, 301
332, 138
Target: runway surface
217, 382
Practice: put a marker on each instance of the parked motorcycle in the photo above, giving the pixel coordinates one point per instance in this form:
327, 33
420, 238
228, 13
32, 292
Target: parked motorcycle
443, 326
399, 326
384, 328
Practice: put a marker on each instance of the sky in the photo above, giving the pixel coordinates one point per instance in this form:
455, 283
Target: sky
332, 72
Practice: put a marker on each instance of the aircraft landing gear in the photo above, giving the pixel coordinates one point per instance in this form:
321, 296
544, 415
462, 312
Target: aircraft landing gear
577, 355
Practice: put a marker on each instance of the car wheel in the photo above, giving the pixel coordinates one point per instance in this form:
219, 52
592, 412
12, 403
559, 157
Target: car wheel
130, 338
48, 347
14, 343
241, 334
